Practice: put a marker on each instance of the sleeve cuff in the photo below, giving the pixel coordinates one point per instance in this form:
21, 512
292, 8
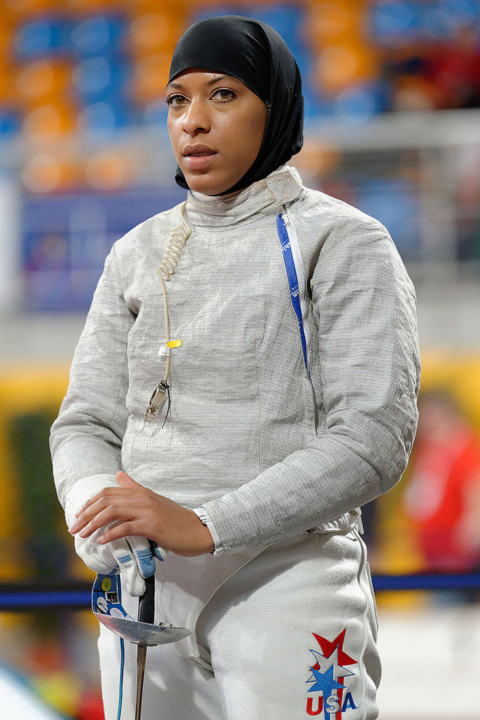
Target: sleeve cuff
206, 520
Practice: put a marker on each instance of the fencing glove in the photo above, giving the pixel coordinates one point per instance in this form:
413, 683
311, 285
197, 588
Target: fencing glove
132, 556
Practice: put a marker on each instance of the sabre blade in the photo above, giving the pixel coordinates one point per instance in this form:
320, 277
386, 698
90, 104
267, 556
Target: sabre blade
141, 659
146, 615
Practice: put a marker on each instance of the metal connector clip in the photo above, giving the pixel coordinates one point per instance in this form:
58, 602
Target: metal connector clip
157, 401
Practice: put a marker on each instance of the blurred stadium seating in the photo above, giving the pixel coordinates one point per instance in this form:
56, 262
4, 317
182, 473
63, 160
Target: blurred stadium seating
82, 106
357, 58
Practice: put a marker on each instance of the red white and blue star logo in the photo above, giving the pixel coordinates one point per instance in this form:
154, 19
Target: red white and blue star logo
328, 677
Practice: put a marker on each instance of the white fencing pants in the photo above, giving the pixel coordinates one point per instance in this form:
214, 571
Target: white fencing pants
291, 635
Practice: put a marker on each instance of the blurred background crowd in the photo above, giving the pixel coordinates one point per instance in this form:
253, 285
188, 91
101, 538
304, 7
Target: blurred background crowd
392, 107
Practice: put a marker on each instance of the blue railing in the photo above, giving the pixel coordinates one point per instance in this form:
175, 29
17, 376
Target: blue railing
24, 597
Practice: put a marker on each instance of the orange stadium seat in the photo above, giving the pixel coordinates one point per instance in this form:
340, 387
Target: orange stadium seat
89, 7
153, 32
7, 90
5, 38
327, 21
150, 78
42, 81
29, 7
340, 65
50, 121
46, 172
109, 170
176, 8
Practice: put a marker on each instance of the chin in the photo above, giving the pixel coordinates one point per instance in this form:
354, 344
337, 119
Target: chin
203, 185
207, 185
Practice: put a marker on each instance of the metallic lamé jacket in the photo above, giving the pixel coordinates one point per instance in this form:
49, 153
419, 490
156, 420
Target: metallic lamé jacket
265, 450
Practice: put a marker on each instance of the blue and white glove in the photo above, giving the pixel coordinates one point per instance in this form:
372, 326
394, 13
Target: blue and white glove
132, 556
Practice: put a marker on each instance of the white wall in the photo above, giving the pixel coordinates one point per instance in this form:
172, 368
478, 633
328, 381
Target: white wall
10, 289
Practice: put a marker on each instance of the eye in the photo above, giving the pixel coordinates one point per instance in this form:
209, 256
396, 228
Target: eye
224, 94
175, 100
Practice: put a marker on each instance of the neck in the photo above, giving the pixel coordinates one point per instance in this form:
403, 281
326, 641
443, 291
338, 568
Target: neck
263, 196
202, 197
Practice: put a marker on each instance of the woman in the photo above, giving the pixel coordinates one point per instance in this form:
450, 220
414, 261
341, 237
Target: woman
290, 402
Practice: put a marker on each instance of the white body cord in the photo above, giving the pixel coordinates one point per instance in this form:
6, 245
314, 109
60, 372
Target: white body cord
175, 245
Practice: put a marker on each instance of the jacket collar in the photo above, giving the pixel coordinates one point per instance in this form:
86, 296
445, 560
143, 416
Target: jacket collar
263, 196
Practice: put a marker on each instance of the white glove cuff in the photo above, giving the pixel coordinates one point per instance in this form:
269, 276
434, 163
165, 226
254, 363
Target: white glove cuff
82, 491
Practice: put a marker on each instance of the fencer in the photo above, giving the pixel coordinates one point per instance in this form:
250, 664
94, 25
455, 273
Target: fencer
289, 402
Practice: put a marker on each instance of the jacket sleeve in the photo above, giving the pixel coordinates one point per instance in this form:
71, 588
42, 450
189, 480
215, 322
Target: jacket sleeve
364, 310
86, 437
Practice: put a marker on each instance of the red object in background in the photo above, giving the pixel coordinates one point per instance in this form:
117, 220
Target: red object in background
444, 488
91, 706
455, 70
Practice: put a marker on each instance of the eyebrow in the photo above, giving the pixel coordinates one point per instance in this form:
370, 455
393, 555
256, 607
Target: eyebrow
210, 82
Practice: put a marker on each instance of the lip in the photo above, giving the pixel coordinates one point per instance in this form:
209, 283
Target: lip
195, 149
196, 161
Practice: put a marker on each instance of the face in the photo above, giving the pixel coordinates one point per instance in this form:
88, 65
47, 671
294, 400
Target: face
216, 126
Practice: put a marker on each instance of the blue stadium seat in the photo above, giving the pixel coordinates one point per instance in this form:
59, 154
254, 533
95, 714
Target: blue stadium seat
98, 35
103, 119
43, 37
441, 20
304, 61
355, 105
285, 19
395, 203
436, 24
315, 107
394, 22
9, 122
155, 113
97, 78
462, 12
360, 103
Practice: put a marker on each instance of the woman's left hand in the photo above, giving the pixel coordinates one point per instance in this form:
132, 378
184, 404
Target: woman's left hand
136, 510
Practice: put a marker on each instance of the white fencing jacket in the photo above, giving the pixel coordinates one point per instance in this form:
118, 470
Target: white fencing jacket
267, 448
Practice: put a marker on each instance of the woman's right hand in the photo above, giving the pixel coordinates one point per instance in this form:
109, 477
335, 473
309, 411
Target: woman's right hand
132, 556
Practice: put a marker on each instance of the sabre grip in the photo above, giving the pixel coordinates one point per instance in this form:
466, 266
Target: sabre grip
146, 602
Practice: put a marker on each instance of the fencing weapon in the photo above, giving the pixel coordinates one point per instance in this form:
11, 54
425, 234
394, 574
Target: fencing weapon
108, 609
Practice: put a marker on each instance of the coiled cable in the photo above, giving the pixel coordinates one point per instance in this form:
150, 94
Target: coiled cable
175, 245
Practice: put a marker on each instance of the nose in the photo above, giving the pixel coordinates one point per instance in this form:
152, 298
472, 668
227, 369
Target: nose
196, 118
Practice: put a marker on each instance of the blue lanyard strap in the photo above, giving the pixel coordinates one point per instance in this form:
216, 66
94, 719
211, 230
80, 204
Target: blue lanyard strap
292, 282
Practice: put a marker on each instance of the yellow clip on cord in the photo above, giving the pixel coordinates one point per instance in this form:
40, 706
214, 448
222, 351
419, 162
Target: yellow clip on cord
174, 343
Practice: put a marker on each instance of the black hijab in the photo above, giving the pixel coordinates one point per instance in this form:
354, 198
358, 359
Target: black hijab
255, 54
